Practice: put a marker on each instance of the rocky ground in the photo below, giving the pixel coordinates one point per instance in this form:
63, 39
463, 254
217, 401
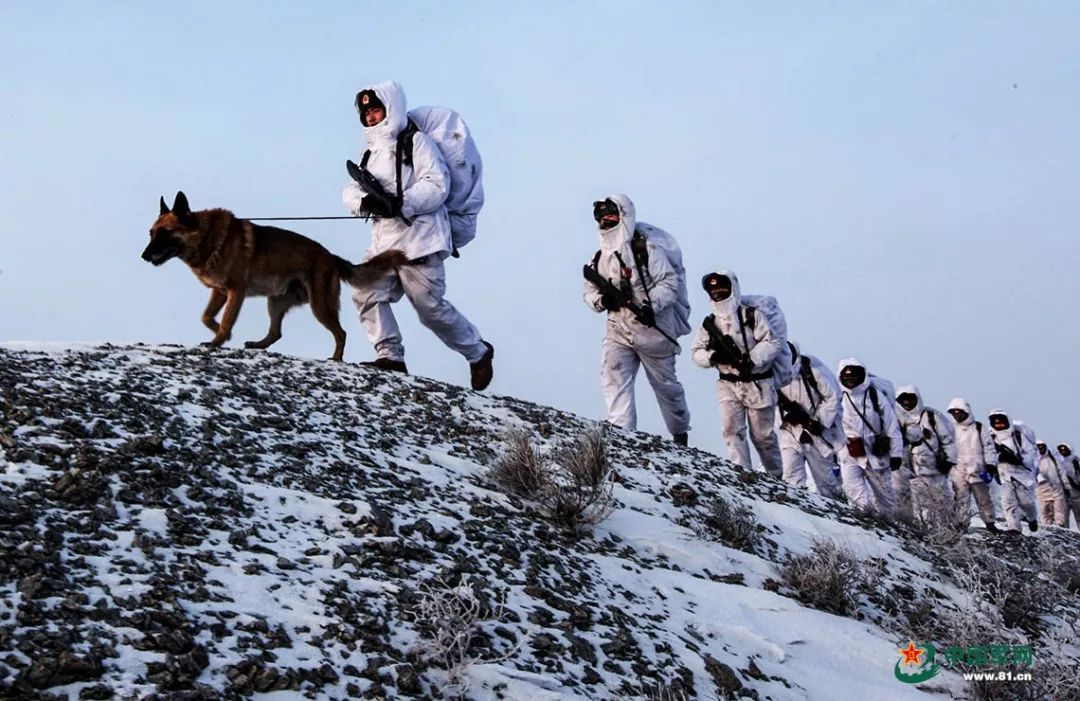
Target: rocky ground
183, 524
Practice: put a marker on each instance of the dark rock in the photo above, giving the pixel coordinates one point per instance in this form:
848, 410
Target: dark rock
407, 680
146, 445
755, 672
96, 692
683, 495
727, 682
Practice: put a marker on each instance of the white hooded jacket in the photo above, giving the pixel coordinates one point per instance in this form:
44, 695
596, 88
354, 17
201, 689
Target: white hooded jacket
974, 445
926, 431
730, 319
819, 397
1049, 471
426, 184
615, 262
1015, 440
863, 420
1069, 467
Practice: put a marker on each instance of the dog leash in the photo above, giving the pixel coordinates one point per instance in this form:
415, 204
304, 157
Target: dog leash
296, 218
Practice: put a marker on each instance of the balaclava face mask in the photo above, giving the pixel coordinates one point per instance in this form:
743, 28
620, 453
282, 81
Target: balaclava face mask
851, 376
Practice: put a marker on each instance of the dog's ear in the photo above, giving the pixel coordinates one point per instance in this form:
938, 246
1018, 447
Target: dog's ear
164, 207
180, 205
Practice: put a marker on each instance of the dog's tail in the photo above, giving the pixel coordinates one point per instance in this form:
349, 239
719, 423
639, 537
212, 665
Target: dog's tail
363, 274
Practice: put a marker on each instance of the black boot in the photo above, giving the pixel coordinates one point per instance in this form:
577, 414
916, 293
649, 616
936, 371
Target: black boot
991, 528
481, 371
681, 438
387, 364
1033, 525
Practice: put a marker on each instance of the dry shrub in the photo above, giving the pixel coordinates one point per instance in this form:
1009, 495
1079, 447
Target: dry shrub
938, 523
830, 577
520, 470
1017, 595
450, 621
573, 488
733, 525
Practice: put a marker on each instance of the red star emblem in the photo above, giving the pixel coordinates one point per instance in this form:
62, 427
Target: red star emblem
911, 654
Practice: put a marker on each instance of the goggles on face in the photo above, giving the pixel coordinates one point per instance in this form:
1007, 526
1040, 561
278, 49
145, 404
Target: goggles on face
602, 208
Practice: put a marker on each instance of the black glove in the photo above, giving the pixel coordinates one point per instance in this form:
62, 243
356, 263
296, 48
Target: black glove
745, 365
805, 438
646, 316
993, 470
611, 301
721, 355
945, 467
895, 463
815, 428
381, 208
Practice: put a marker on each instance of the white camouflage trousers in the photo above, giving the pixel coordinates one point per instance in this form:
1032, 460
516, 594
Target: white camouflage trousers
963, 491
868, 487
1053, 509
797, 456
619, 365
1016, 500
424, 283
734, 418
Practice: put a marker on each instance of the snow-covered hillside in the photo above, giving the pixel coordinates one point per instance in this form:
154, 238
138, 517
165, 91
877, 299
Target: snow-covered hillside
185, 524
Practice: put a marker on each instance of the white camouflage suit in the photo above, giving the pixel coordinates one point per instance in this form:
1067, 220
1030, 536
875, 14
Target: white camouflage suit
1069, 466
1017, 480
427, 241
628, 344
818, 394
927, 432
744, 402
868, 479
1049, 488
975, 456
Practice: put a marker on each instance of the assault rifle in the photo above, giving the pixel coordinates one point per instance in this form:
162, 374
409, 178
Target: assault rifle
608, 289
791, 412
1008, 455
727, 347
371, 185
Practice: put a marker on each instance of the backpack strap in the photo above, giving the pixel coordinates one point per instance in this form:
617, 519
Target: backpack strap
872, 391
933, 427
639, 247
881, 419
403, 154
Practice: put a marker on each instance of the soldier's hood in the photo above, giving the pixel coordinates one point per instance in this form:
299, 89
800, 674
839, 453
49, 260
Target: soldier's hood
1004, 433
962, 404
915, 414
853, 363
730, 306
392, 96
617, 238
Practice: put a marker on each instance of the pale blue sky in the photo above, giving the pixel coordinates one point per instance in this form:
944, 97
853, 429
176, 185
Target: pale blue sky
901, 176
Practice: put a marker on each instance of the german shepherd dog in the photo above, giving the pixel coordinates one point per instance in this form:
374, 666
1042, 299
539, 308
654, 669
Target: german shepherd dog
238, 259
